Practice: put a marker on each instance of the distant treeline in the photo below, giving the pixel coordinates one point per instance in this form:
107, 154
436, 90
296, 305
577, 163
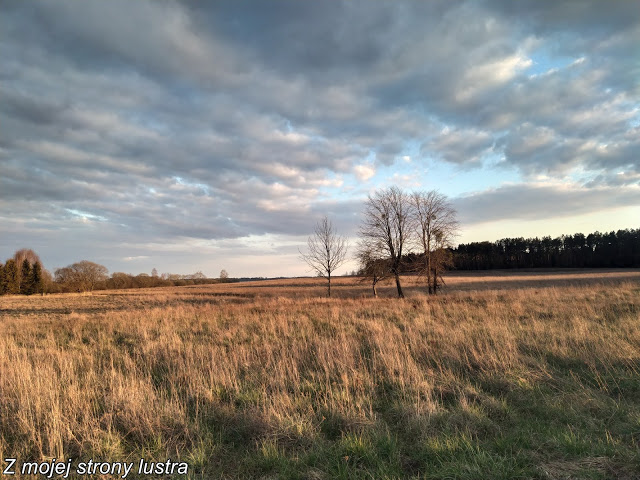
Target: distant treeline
596, 250
119, 280
23, 275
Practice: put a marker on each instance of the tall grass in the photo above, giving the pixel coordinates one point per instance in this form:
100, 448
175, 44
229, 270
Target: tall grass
521, 383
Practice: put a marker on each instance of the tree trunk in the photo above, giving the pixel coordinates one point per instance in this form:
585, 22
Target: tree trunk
375, 292
427, 252
398, 286
329, 286
435, 281
428, 269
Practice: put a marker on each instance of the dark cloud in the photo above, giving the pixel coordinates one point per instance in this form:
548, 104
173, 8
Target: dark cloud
541, 201
462, 146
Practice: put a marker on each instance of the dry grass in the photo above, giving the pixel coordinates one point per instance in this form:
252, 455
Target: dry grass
269, 378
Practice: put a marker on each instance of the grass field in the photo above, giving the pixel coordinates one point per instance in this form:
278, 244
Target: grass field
504, 375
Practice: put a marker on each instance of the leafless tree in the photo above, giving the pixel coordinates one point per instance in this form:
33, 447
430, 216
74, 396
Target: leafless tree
436, 227
121, 280
326, 251
387, 226
195, 276
372, 267
81, 276
224, 275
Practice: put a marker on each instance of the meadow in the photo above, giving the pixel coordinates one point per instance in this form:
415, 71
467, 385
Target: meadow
504, 375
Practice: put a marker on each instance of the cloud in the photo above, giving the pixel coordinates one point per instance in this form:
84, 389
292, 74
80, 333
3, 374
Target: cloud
460, 146
137, 257
227, 121
539, 201
364, 172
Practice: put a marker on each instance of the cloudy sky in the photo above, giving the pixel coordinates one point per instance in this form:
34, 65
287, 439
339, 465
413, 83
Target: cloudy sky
206, 135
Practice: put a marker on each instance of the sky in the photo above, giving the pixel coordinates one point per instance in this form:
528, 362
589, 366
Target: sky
196, 136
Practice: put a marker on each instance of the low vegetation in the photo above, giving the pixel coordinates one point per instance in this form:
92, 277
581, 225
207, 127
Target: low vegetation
534, 376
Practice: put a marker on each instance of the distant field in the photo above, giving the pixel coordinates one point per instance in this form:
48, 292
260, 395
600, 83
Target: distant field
505, 375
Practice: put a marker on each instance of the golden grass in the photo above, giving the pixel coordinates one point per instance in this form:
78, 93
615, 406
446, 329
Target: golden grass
166, 372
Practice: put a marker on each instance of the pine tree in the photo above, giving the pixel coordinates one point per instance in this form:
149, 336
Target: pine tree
19, 257
36, 282
3, 281
11, 277
25, 278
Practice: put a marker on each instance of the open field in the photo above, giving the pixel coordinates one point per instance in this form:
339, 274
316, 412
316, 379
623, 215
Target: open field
505, 375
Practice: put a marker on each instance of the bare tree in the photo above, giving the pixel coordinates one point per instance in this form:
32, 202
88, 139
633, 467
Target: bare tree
81, 276
387, 227
224, 275
326, 251
442, 259
436, 227
121, 280
372, 267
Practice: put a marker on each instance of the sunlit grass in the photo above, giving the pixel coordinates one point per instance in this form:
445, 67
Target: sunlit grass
272, 381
